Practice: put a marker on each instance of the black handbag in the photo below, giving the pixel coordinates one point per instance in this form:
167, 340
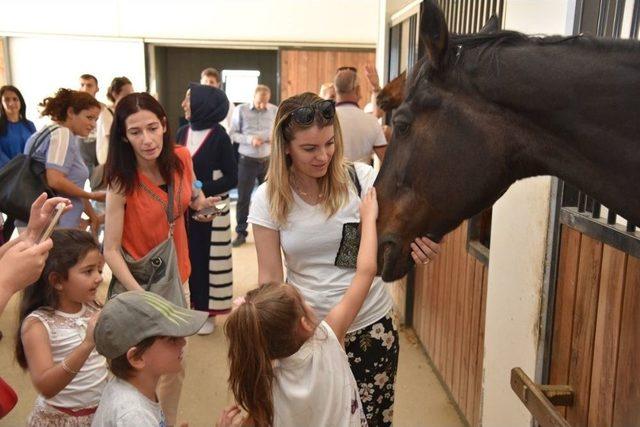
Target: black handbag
23, 180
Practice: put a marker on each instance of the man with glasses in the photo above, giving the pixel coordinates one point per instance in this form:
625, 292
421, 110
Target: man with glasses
251, 129
361, 132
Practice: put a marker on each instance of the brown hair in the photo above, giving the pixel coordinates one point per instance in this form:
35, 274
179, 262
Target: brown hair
70, 246
120, 366
121, 169
261, 330
211, 72
56, 106
116, 86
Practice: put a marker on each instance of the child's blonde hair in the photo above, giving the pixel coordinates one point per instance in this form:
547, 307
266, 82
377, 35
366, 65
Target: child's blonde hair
264, 328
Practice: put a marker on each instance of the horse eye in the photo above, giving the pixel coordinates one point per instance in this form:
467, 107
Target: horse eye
401, 128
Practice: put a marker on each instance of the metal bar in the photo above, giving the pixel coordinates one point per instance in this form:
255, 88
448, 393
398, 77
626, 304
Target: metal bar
536, 401
635, 20
595, 213
501, 11
602, 18
611, 234
611, 217
619, 17
577, 21
582, 201
631, 228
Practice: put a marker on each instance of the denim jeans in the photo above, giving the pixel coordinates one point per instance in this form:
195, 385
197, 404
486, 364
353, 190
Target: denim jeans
249, 169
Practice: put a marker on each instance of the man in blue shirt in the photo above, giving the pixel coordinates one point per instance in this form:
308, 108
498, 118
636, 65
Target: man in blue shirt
251, 128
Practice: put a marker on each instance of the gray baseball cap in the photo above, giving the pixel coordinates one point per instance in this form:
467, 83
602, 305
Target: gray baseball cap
133, 316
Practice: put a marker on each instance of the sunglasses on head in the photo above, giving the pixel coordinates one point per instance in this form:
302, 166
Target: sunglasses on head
305, 115
354, 69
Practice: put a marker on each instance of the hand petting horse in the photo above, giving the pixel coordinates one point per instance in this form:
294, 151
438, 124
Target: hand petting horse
485, 110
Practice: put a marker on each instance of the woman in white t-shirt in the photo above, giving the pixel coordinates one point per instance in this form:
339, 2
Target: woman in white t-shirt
308, 208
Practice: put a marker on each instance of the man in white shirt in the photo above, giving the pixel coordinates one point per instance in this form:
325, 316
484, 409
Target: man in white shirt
361, 132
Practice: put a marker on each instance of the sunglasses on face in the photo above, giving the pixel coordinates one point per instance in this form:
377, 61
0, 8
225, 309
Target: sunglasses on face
354, 69
305, 115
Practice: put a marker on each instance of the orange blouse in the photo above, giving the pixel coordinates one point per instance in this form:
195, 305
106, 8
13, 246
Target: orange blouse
145, 218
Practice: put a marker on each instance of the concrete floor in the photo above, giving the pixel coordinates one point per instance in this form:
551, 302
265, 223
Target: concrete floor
420, 399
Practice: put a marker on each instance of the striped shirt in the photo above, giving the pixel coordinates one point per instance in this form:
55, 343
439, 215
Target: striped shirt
60, 151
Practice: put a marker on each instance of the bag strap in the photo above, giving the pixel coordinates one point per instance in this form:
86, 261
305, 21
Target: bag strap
167, 206
40, 138
354, 178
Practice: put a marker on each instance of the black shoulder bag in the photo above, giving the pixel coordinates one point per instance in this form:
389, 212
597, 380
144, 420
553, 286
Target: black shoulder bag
23, 180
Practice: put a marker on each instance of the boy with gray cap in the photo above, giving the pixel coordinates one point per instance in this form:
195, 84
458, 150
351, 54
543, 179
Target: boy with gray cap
142, 336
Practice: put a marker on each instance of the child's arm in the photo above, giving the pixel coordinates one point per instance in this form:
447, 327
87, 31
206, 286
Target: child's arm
48, 377
342, 315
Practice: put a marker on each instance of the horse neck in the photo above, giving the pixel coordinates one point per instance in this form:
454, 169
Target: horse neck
578, 109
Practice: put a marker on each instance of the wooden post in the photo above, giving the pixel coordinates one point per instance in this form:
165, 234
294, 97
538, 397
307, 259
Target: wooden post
539, 400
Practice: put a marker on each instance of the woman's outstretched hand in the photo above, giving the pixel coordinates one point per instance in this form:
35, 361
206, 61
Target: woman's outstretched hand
424, 250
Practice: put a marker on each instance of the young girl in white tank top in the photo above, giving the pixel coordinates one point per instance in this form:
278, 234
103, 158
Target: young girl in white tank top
57, 317
288, 369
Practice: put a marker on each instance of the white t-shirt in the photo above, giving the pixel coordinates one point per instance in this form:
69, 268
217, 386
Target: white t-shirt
315, 386
360, 133
122, 405
103, 128
310, 242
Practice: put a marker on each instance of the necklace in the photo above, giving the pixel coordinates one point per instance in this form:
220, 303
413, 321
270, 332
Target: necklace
299, 190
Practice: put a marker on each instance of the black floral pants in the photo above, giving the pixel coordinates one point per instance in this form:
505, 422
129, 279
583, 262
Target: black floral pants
373, 356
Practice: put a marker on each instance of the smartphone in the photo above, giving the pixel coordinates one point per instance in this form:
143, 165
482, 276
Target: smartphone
216, 209
53, 221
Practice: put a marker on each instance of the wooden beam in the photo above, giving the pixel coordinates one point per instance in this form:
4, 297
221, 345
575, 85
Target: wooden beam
536, 401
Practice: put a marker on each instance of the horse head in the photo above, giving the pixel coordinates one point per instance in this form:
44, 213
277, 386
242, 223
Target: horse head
392, 94
440, 166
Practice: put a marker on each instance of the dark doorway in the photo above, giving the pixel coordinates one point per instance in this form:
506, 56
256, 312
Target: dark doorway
177, 66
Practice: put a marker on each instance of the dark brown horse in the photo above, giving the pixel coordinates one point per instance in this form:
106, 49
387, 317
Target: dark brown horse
392, 94
483, 111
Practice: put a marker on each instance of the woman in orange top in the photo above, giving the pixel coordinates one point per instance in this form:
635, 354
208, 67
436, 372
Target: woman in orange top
142, 160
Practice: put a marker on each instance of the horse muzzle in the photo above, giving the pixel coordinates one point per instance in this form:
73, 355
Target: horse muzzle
393, 264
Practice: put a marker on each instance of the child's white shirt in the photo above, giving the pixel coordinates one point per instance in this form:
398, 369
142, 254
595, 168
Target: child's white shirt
315, 386
122, 405
66, 332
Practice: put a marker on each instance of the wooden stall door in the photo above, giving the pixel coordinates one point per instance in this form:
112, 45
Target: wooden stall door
448, 318
596, 339
305, 70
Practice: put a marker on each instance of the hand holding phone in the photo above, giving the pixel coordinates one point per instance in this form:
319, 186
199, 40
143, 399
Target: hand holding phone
55, 217
216, 209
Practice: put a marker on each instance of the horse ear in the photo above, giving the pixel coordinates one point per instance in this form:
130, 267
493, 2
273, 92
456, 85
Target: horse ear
492, 25
434, 34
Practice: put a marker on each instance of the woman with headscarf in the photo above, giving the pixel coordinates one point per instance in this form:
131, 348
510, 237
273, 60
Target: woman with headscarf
211, 281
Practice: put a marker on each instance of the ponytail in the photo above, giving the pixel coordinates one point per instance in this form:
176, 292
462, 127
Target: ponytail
260, 331
251, 374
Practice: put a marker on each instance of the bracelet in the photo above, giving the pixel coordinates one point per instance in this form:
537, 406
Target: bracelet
67, 368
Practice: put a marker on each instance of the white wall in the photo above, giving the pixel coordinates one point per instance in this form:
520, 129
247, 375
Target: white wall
292, 21
41, 65
518, 250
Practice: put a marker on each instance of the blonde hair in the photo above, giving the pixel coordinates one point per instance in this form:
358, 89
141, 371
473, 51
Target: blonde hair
262, 89
334, 185
325, 88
